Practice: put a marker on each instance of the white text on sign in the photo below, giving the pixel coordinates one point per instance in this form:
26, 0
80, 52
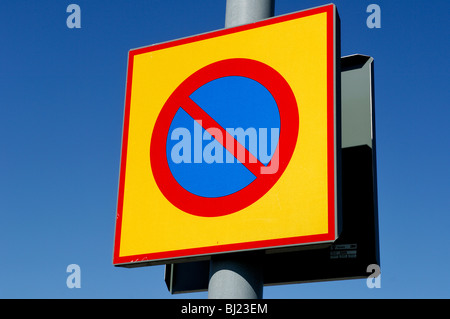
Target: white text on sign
213, 152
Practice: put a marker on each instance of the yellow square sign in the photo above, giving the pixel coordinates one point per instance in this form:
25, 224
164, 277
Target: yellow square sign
230, 141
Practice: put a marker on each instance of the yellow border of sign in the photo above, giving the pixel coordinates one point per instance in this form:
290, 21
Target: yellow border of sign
301, 208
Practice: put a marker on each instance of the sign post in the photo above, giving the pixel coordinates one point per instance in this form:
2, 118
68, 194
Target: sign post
231, 146
240, 12
236, 276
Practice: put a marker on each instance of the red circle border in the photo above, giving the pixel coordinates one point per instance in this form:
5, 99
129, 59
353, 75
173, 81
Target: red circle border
289, 125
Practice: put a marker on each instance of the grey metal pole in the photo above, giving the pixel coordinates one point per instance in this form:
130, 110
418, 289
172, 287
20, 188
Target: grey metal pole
239, 276
240, 12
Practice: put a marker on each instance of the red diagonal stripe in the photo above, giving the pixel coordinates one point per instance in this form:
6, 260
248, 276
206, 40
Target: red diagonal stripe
207, 122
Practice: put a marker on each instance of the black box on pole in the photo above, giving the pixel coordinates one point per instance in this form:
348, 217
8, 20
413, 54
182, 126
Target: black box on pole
358, 245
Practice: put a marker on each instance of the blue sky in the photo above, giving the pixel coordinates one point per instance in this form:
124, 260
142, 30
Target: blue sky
61, 111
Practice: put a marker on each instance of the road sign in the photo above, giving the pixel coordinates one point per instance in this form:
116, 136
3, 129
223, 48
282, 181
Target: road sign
230, 89
229, 141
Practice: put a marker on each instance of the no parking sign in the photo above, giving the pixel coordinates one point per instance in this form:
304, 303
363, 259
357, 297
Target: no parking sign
229, 175
229, 141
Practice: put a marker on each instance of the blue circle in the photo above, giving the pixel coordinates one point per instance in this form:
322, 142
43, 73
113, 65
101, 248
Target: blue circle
234, 102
